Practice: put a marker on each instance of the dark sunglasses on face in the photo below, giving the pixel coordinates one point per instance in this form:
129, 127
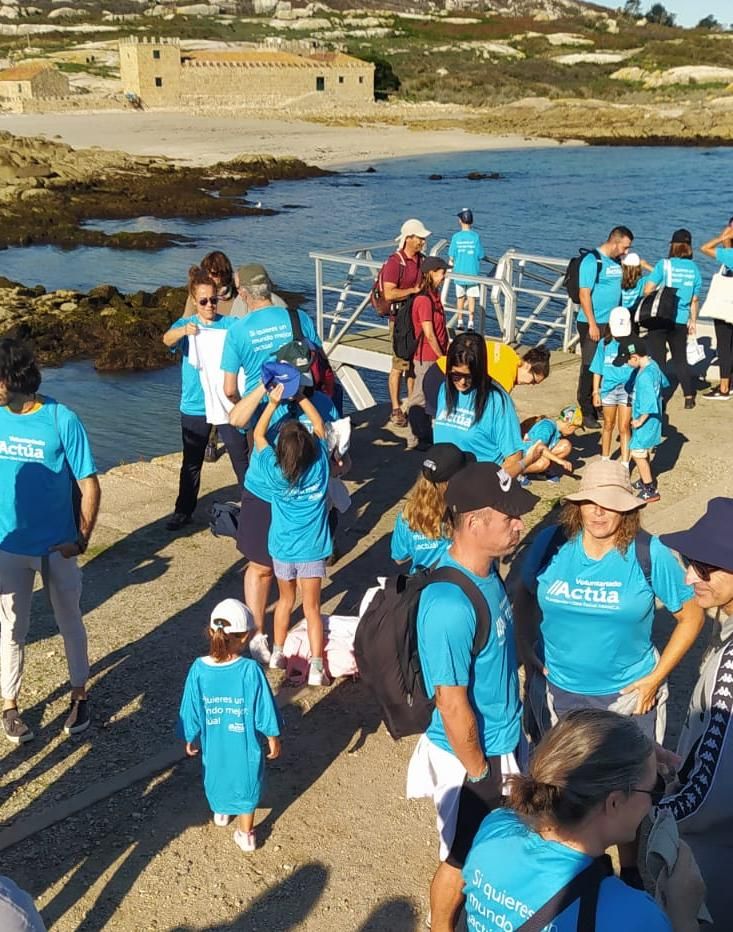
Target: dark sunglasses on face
212, 301
702, 570
656, 793
461, 377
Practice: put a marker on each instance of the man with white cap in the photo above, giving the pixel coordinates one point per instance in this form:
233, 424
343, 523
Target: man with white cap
701, 800
401, 278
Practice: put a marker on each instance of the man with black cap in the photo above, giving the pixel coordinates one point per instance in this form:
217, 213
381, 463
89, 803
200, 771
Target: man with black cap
466, 252
702, 801
431, 332
475, 728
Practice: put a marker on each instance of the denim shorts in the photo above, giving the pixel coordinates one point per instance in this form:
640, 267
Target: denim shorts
312, 569
617, 396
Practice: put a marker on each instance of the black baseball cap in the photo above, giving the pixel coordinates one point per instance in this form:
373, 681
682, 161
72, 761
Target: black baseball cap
466, 215
630, 346
443, 460
433, 263
486, 485
682, 236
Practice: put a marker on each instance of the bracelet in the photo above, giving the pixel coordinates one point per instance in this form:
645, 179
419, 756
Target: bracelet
482, 776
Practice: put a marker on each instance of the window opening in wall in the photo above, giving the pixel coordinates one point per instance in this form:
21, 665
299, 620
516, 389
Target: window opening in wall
156, 53
20, 88
341, 79
361, 79
159, 82
320, 83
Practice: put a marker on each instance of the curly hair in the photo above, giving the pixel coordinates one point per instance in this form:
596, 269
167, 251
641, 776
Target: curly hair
217, 263
425, 509
19, 371
572, 520
197, 275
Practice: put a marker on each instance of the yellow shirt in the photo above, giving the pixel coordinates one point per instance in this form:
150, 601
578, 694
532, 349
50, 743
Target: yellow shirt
503, 364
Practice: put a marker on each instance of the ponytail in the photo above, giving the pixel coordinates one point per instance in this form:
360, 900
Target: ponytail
219, 642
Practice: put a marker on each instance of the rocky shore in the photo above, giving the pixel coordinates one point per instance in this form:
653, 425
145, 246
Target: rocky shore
49, 192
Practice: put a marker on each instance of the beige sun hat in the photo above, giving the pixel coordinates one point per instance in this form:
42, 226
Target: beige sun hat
606, 484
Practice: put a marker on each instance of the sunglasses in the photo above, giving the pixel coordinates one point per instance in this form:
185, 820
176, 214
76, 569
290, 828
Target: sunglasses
702, 570
656, 793
212, 301
461, 377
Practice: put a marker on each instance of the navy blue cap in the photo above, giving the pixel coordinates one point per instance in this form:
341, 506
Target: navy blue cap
466, 215
708, 540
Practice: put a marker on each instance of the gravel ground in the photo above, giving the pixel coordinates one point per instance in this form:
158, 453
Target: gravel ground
340, 846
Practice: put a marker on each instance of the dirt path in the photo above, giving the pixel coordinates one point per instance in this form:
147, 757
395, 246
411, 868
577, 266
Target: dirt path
341, 847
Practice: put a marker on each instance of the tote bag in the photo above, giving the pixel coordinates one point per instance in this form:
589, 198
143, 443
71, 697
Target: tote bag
719, 299
658, 310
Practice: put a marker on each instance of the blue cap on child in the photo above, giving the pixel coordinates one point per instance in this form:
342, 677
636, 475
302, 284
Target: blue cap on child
281, 373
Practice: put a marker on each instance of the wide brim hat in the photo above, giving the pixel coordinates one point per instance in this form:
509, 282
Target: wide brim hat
607, 484
709, 540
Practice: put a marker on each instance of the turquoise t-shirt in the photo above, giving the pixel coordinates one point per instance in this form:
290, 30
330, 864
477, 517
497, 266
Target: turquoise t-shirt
253, 340
491, 439
299, 531
611, 376
544, 430
724, 255
629, 296
606, 292
597, 615
407, 544
684, 275
226, 707
192, 394
466, 252
646, 398
446, 625
512, 871
39, 455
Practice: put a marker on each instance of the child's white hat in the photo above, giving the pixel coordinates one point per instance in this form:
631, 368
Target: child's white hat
240, 618
631, 259
619, 323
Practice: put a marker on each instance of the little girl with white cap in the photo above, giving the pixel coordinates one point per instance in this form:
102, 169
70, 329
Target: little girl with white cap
227, 706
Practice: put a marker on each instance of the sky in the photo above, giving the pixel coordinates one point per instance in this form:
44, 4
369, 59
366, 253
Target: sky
688, 12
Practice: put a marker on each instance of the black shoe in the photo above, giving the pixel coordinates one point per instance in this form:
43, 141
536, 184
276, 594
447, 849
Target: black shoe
211, 455
16, 730
78, 717
716, 394
591, 423
689, 403
178, 521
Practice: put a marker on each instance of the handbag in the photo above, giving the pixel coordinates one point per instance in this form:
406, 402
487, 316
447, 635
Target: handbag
718, 302
658, 310
695, 352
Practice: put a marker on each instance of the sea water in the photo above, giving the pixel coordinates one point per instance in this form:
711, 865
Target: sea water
547, 201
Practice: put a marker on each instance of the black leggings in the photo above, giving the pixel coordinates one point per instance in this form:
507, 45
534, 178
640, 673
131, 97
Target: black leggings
588, 349
195, 433
676, 339
724, 346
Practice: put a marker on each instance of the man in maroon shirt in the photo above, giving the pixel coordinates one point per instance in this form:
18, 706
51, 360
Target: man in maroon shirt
401, 278
431, 332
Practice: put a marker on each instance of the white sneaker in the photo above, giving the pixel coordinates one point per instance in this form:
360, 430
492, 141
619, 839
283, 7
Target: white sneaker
277, 659
317, 676
221, 820
247, 841
259, 649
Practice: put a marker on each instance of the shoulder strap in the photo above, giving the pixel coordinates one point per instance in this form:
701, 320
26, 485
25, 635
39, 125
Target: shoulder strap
643, 542
295, 324
599, 263
472, 592
554, 543
585, 887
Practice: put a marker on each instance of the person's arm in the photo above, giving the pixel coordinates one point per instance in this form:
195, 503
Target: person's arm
638, 421
459, 722
559, 461
711, 245
518, 462
243, 411
176, 334
586, 302
429, 334
694, 310
690, 620
645, 265
260, 433
596, 390
231, 389
311, 412
91, 494
392, 293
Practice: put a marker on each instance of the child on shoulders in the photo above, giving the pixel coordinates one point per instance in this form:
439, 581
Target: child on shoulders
227, 730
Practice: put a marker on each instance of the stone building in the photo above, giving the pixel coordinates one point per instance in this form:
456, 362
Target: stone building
162, 75
33, 80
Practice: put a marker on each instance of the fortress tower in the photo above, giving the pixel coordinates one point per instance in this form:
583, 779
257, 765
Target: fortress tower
151, 68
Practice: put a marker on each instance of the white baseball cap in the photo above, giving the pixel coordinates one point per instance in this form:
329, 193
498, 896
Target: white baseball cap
412, 228
619, 323
240, 618
631, 259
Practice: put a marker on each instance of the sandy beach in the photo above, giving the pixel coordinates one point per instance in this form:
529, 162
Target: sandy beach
199, 140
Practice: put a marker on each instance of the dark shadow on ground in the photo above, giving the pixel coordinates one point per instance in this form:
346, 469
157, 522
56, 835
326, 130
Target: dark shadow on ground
669, 450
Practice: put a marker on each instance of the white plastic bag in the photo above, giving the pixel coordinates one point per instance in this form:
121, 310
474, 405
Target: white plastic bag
695, 352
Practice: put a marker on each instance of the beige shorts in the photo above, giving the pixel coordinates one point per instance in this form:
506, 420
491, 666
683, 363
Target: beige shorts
400, 365
641, 454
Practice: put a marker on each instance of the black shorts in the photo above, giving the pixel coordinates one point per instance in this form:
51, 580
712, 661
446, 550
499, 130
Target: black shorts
254, 526
476, 801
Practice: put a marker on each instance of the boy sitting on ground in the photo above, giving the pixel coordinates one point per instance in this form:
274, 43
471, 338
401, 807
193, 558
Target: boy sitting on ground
554, 443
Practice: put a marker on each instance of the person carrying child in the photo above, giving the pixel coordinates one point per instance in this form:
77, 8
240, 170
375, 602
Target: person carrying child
646, 412
612, 385
554, 447
296, 472
421, 533
226, 707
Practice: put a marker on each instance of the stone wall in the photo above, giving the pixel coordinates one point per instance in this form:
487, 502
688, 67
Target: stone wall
44, 84
151, 69
81, 102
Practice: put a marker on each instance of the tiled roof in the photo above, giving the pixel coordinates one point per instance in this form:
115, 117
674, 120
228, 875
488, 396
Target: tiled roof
24, 71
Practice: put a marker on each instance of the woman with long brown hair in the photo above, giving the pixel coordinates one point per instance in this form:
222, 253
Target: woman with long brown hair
588, 590
219, 269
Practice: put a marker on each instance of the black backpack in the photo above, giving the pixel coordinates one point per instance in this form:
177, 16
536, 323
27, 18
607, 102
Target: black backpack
224, 519
571, 281
404, 341
385, 646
